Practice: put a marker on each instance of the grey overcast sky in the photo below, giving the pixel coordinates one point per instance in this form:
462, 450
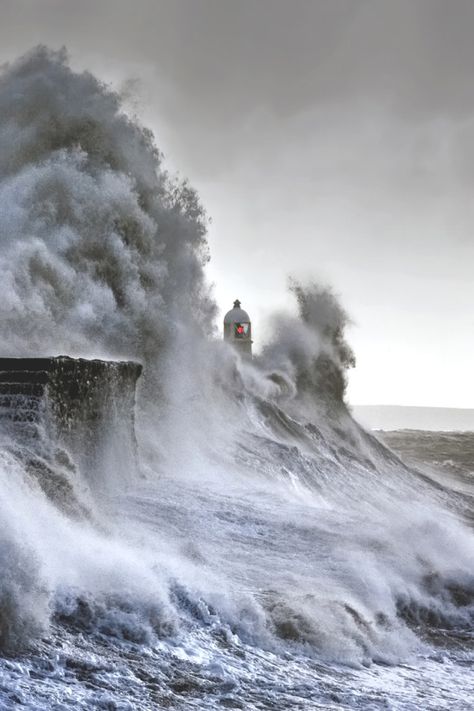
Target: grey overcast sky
331, 139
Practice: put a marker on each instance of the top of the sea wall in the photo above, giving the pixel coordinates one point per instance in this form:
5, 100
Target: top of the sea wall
64, 362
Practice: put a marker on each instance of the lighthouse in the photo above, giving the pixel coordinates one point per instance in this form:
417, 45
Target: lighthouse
238, 330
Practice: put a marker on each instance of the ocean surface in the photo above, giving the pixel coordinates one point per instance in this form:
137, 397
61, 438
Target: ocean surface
308, 568
396, 417
264, 550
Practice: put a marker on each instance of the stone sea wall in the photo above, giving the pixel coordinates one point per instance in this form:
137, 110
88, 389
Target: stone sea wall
86, 407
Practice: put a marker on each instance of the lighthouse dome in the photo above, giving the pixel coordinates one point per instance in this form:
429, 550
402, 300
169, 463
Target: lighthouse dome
236, 315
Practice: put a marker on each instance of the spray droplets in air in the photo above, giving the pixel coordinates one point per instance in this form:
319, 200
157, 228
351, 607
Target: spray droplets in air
102, 252
310, 350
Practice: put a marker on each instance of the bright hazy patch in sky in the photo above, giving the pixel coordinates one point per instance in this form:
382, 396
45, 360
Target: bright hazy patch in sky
333, 140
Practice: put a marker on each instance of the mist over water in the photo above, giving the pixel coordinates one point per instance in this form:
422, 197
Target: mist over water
266, 549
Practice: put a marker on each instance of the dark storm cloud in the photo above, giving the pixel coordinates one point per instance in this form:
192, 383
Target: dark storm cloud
224, 55
218, 64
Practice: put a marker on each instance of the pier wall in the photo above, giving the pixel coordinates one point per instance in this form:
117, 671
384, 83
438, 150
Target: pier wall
86, 407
